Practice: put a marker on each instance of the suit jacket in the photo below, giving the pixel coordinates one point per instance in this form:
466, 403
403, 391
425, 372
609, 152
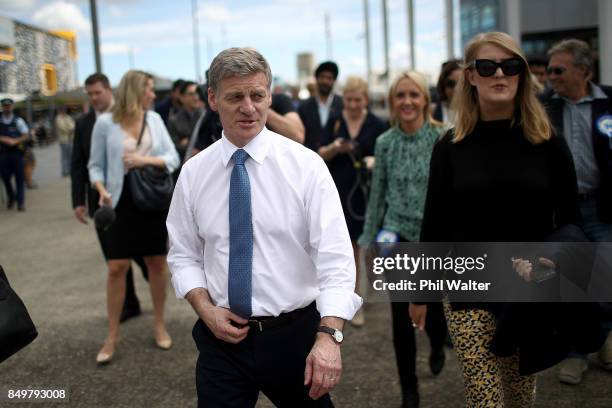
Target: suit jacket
82, 191
309, 113
601, 144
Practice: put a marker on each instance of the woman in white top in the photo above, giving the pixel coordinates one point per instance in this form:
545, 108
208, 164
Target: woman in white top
114, 151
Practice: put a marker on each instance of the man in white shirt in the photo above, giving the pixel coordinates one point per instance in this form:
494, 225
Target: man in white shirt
254, 281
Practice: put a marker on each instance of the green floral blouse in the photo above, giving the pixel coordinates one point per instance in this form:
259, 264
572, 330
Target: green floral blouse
399, 182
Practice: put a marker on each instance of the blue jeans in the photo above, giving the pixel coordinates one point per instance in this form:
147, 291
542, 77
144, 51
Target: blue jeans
596, 231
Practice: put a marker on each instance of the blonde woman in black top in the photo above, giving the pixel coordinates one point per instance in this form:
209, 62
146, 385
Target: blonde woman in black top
499, 176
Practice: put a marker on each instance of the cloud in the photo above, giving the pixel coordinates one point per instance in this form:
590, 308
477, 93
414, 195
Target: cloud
215, 13
115, 10
114, 48
61, 15
11, 6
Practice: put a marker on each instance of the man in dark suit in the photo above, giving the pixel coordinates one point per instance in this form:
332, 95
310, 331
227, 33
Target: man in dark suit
319, 109
171, 104
84, 197
581, 112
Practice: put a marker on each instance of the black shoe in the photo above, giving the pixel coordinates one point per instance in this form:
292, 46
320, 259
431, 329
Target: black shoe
411, 398
21, 208
10, 205
436, 360
129, 312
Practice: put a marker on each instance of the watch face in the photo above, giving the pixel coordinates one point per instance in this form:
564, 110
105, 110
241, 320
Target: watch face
338, 336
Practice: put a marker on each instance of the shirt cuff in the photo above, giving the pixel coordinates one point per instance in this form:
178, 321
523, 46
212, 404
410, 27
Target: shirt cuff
338, 303
187, 279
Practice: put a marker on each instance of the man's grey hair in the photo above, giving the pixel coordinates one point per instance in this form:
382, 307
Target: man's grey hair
577, 48
238, 62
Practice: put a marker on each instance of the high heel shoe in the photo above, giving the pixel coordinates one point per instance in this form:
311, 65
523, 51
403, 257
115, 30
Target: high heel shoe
106, 353
163, 341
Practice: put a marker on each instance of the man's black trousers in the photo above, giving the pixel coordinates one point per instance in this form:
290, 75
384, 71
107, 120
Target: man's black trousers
271, 361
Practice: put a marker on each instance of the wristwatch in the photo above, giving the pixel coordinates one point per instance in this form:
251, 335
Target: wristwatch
335, 333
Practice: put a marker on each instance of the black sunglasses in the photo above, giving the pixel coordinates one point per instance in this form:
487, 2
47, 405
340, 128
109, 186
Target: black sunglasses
555, 70
510, 66
450, 83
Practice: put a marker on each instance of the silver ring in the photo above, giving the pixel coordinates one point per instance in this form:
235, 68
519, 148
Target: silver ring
415, 325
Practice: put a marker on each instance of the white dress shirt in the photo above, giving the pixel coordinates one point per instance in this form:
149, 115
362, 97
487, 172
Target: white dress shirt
324, 109
301, 247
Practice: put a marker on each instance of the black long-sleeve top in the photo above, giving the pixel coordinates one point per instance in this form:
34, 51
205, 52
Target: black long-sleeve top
496, 186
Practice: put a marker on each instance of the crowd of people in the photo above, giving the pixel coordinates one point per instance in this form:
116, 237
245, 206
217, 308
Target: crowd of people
273, 203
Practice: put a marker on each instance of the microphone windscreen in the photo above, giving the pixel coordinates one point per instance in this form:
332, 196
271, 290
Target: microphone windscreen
104, 217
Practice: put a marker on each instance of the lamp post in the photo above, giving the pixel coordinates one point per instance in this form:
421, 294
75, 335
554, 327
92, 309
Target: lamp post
96, 40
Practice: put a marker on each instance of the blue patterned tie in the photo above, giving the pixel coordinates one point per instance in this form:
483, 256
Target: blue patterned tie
241, 238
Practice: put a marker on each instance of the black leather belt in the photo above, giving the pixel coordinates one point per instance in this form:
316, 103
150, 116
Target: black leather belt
261, 323
586, 196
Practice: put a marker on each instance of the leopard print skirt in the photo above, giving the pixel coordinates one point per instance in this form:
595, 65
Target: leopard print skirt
489, 380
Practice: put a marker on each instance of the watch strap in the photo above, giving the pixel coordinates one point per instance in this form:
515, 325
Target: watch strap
332, 332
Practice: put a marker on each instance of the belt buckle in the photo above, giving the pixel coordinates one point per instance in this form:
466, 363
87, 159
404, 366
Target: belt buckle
260, 327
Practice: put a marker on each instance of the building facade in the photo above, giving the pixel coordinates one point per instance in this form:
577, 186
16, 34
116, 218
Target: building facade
538, 24
33, 60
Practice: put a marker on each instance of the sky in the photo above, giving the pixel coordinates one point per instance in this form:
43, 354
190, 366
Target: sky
159, 33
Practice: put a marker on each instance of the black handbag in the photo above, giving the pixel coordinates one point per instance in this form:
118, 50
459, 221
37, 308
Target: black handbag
151, 186
16, 327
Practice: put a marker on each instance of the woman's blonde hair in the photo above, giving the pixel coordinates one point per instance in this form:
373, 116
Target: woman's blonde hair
128, 98
356, 84
530, 112
421, 82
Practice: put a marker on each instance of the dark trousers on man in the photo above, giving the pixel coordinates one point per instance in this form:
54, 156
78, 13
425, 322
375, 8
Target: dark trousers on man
271, 361
12, 163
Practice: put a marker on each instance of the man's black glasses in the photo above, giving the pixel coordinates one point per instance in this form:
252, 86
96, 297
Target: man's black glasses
510, 66
555, 70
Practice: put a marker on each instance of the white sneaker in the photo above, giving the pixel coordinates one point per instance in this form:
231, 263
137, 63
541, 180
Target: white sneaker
571, 370
359, 318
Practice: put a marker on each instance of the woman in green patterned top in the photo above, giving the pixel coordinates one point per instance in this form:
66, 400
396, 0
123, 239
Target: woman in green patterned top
396, 203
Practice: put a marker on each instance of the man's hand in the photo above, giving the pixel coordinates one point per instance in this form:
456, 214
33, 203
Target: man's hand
219, 321
323, 366
80, 213
8, 140
418, 314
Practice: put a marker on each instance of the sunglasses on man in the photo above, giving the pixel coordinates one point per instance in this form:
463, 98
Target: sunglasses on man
510, 66
555, 70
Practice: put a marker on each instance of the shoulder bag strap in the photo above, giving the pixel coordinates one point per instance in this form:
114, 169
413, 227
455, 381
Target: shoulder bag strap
142, 129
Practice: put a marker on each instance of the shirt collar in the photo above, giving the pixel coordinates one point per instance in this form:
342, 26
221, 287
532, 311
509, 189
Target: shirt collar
596, 93
7, 119
327, 103
257, 148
